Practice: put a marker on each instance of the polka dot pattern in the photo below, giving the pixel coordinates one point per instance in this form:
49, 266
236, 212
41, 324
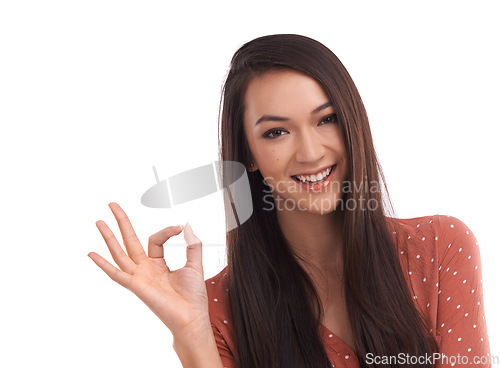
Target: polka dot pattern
444, 278
465, 331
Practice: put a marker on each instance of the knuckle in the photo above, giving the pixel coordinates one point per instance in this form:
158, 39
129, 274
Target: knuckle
194, 245
153, 240
121, 217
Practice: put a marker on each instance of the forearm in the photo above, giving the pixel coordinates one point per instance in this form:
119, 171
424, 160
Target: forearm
197, 348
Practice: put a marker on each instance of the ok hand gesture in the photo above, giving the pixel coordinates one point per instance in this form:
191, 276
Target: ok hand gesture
178, 298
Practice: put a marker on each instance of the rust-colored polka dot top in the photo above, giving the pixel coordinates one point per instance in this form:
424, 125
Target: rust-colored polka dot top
445, 272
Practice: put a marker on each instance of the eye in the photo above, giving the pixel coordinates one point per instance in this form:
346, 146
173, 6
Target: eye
330, 119
270, 133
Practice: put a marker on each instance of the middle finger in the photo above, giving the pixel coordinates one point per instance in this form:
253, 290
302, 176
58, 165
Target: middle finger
121, 258
130, 239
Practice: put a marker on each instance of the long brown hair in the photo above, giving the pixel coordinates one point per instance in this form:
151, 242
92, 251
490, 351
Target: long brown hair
275, 308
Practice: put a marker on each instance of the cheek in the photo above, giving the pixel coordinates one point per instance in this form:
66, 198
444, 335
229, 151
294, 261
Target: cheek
339, 141
272, 163
267, 155
335, 141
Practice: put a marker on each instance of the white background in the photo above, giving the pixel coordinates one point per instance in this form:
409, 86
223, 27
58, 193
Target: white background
95, 93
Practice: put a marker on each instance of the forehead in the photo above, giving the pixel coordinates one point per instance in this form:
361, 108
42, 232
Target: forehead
283, 91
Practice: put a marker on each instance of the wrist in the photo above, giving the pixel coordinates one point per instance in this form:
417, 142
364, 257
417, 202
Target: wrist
195, 346
197, 330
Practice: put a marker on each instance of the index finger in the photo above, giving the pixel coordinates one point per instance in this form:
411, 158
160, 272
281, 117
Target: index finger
156, 241
130, 239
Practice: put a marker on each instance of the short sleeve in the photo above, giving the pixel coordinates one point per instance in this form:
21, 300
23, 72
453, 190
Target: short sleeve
228, 360
461, 321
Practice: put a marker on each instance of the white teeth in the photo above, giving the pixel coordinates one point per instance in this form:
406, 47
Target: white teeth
317, 177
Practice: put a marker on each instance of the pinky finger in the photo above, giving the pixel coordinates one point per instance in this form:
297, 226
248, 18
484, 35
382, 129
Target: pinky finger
117, 275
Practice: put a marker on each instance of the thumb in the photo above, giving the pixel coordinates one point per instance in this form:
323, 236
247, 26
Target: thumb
193, 250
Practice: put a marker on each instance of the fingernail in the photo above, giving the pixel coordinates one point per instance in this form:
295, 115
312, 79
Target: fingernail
189, 235
181, 227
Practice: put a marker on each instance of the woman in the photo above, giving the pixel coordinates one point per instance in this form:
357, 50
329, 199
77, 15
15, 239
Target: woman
319, 275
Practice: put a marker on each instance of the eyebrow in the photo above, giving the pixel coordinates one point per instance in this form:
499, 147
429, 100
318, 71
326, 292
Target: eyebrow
280, 118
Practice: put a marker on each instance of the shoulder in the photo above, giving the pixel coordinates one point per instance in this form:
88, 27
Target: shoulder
416, 240
439, 247
457, 243
437, 236
218, 297
412, 225
452, 228
416, 234
435, 251
441, 226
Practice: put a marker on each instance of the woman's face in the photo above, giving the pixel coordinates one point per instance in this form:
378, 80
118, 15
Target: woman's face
291, 130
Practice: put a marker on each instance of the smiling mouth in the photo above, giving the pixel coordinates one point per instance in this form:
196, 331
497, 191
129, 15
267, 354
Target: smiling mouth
330, 170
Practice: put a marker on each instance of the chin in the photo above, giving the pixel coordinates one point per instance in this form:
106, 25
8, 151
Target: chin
321, 208
314, 204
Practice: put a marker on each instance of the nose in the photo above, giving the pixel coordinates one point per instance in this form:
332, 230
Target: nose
310, 147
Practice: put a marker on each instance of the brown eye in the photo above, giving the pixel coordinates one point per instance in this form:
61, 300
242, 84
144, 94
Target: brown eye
270, 133
330, 119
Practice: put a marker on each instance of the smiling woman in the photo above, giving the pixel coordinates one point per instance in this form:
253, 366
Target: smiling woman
322, 274
327, 275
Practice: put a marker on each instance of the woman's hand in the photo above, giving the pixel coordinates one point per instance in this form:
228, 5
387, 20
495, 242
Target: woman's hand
178, 298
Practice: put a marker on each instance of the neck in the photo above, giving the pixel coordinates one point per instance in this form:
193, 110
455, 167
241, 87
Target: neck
318, 239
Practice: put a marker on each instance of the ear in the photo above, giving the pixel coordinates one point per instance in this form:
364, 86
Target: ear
252, 167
